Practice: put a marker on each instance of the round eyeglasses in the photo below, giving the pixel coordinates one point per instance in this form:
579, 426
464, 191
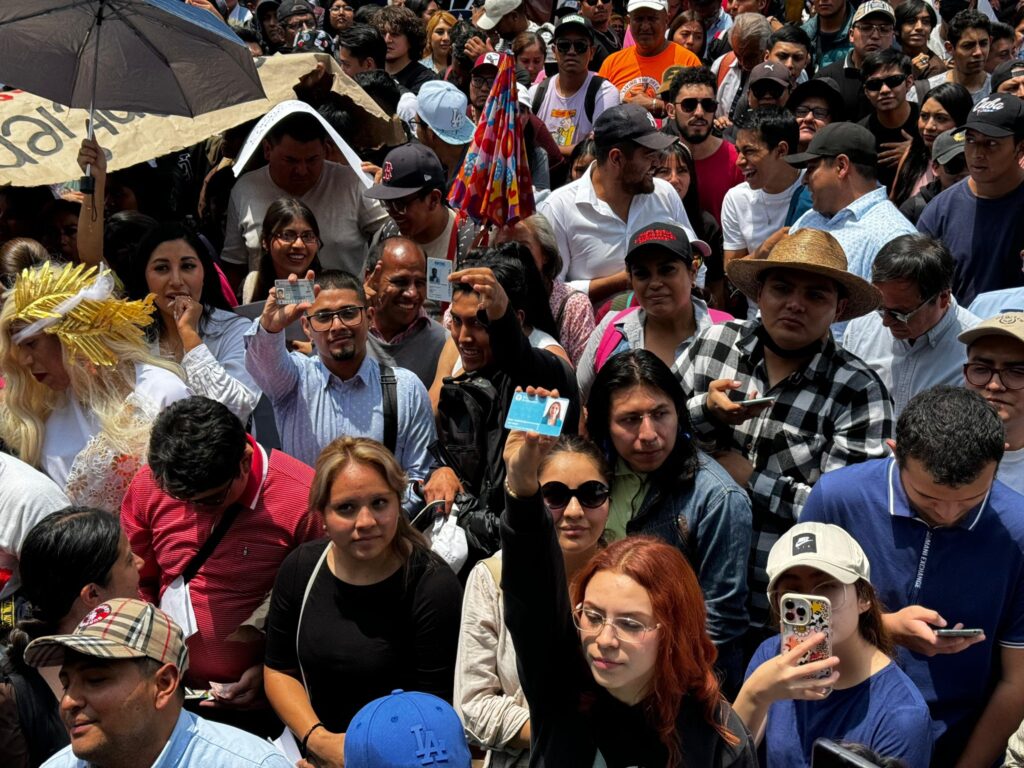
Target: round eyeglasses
628, 630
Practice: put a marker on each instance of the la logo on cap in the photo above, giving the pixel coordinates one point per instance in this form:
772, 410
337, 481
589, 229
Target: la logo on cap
805, 542
429, 749
385, 173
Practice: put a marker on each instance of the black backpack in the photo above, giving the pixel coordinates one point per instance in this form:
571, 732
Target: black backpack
589, 99
471, 437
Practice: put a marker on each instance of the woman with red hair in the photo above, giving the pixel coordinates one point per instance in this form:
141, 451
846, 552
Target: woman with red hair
624, 670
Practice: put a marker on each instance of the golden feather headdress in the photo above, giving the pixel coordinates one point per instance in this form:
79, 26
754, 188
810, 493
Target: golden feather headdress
77, 304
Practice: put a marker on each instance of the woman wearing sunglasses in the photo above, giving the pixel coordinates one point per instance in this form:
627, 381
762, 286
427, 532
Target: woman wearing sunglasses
664, 486
574, 482
620, 672
857, 694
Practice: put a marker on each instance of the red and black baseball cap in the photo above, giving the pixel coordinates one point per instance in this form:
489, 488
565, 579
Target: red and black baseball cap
665, 238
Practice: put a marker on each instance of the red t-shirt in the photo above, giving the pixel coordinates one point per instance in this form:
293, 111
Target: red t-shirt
716, 175
239, 574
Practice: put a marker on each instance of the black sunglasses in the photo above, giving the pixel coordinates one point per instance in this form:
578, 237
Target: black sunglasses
591, 494
774, 90
893, 81
690, 105
596, 2
576, 46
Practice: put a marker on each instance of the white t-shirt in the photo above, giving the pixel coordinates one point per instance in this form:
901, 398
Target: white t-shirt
26, 497
1011, 469
566, 117
347, 218
750, 216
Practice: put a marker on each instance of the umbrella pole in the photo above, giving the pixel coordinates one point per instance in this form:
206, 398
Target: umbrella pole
87, 183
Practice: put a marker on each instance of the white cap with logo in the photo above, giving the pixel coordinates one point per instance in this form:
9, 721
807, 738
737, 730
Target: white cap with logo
494, 11
825, 547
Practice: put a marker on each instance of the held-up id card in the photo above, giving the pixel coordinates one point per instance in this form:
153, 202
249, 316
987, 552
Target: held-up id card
293, 293
438, 287
544, 415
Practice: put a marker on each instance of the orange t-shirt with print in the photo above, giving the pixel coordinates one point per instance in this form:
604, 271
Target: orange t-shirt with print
628, 71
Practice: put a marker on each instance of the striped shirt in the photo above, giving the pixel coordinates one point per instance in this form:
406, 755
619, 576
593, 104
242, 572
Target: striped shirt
833, 413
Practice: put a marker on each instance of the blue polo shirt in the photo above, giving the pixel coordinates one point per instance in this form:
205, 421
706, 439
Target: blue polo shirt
971, 572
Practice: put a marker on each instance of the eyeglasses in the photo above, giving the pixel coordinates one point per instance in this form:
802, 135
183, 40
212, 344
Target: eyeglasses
628, 630
591, 494
349, 316
289, 236
690, 105
905, 317
878, 29
773, 90
300, 25
891, 82
833, 591
401, 204
482, 82
820, 113
576, 46
979, 375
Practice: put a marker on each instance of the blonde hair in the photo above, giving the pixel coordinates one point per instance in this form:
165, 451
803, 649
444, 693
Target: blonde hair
441, 17
344, 451
101, 390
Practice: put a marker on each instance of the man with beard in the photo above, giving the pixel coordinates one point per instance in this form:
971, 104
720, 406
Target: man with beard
593, 216
692, 105
340, 391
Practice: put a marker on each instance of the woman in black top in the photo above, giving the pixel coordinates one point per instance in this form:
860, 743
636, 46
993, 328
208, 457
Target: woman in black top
366, 611
627, 675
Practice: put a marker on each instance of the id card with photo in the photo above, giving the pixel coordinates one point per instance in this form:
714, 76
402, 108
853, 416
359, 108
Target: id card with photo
544, 415
293, 293
438, 287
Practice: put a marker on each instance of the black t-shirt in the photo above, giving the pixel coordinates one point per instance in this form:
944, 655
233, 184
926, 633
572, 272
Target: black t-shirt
884, 135
359, 643
605, 44
413, 75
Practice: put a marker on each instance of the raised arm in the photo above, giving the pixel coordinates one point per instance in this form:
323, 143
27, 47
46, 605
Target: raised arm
90, 217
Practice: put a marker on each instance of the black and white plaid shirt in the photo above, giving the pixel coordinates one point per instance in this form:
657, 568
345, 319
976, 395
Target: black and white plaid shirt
833, 413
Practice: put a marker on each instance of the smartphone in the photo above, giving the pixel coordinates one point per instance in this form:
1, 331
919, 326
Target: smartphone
757, 401
801, 616
828, 754
958, 632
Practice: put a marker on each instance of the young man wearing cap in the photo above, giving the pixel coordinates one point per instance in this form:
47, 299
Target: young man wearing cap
481, 79
1009, 78
508, 19
888, 78
990, 200
295, 16
815, 104
412, 189
593, 216
948, 165
768, 85
294, 148
967, 42
911, 341
945, 539
829, 30
570, 101
123, 670
443, 125
401, 333
691, 108
995, 370
848, 202
636, 71
872, 30
827, 408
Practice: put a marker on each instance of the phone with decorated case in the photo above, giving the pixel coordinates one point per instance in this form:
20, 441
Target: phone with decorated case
800, 617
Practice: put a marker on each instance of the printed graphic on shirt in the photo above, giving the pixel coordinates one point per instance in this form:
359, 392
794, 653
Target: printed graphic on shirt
563, 135
640, 86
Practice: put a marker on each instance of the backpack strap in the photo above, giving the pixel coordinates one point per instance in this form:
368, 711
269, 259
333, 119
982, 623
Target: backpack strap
723, 68
590, 98
539, 94
389, 397
610, 339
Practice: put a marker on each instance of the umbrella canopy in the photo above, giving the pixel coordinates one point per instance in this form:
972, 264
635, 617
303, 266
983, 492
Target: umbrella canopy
494, 185
154, 56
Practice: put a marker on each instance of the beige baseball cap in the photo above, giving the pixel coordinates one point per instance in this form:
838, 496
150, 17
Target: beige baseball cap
117, 629
1007, 324
826, 547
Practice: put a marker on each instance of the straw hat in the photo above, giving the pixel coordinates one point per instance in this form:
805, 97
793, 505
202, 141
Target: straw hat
809, 250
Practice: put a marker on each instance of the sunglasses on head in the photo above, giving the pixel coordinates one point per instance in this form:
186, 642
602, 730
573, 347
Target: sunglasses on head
590, 495
690, 105
576, 46
892, 81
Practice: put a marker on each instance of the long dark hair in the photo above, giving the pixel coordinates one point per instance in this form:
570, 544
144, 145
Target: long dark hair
279, 215
956, 100
211, 297
691, 202
640, 368
517, 273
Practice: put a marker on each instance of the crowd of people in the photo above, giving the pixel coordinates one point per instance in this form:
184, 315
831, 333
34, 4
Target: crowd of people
262, 502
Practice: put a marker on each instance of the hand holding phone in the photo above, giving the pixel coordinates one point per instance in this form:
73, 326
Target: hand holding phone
959, 632
802, 616
756, 401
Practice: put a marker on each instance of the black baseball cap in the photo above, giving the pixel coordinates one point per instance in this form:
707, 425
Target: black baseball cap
630, 122
408, 169
573, 21
290, 8
1006, 71
998, 115
666, 238
824, 88
854, 141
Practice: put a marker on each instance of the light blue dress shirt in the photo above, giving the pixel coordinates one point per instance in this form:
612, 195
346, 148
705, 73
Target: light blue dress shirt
986, 305
312, 406
200, 743
936, 357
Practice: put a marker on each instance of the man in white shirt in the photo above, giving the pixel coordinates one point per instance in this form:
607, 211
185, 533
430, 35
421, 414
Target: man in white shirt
294, 148
506, 17
593, 216
910, 341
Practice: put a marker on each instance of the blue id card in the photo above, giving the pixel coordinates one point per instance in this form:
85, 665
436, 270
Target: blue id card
544, 415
